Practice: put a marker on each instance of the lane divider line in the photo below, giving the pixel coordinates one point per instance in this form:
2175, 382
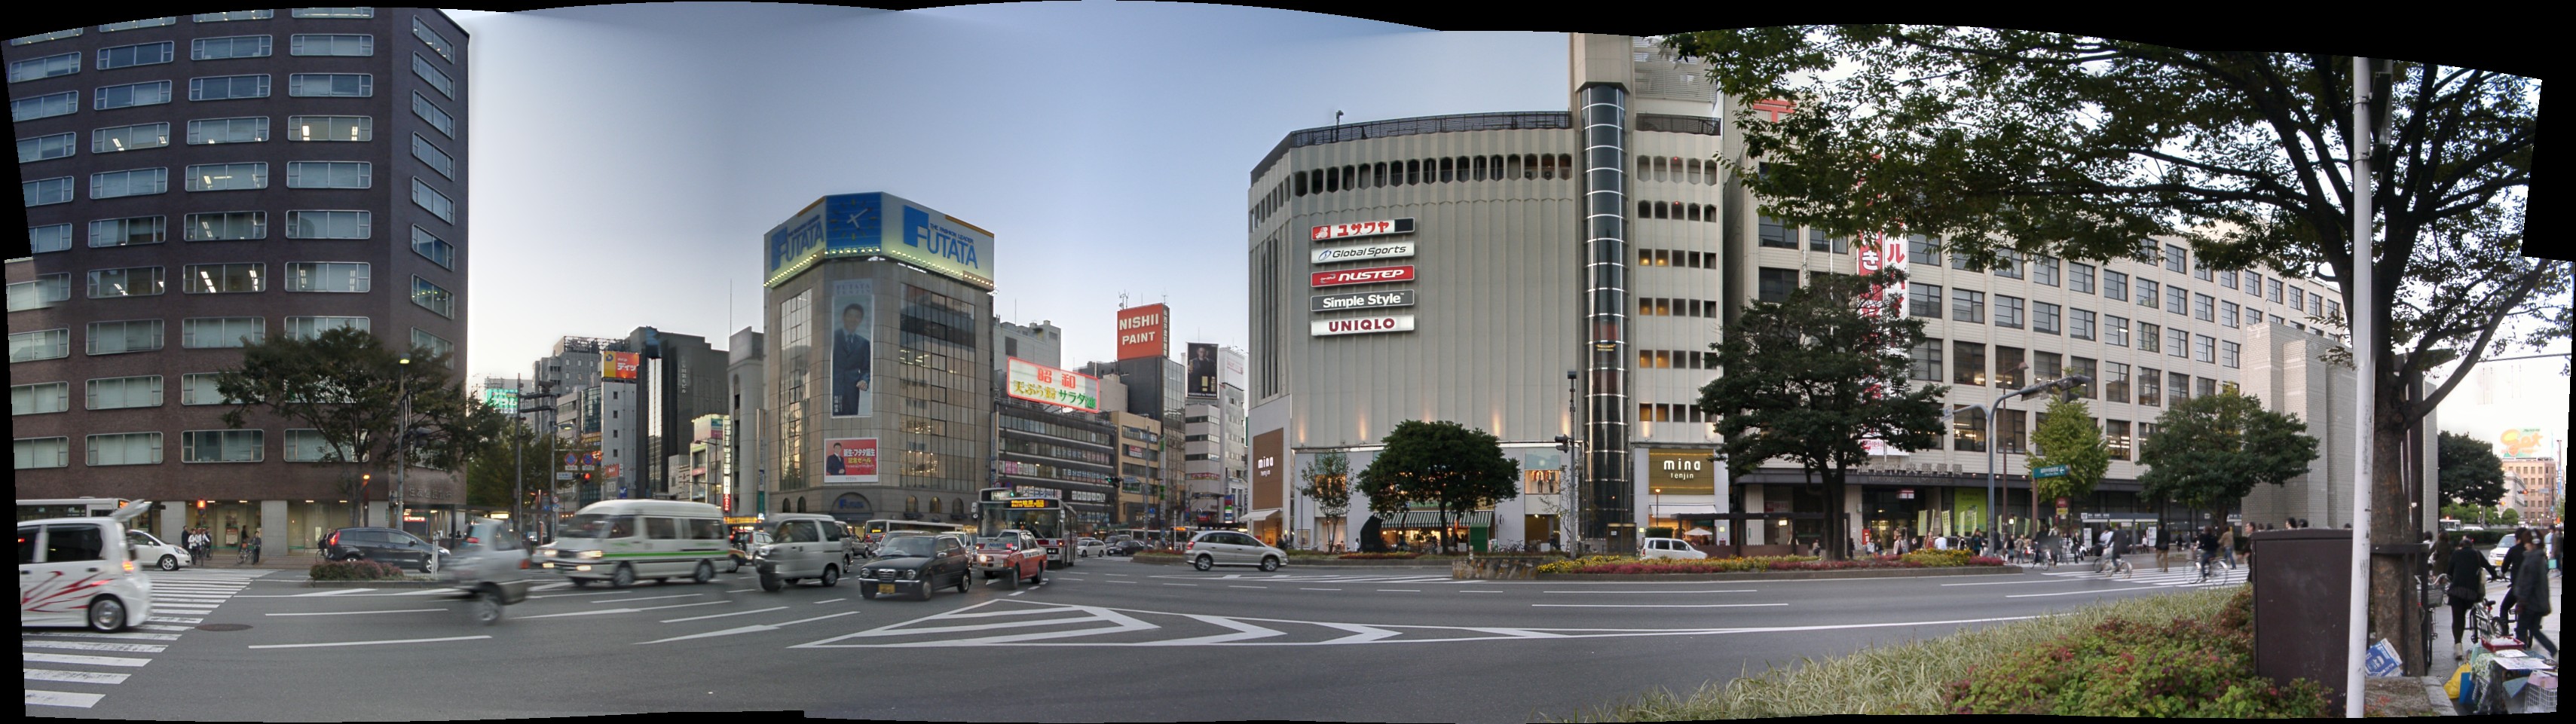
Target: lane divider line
369, 643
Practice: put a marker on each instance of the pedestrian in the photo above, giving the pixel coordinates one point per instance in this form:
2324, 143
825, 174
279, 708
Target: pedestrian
2531, 588
2468, 586
253, 542
2512, 562
2164, 551
2227, 546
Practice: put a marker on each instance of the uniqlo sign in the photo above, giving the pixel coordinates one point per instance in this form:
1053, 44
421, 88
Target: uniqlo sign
1371, 275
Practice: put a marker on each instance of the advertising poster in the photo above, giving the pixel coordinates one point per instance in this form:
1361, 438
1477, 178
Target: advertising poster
1202, 369
2527, 442
619, 365
853, 303
1873, 252
1145, 331
1050, 386
850, 460
504, 400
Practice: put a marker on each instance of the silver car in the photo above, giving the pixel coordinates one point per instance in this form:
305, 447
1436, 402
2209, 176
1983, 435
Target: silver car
489, 570
1212, 548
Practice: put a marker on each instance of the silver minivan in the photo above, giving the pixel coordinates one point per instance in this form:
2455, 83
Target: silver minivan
802, 546
1212, 548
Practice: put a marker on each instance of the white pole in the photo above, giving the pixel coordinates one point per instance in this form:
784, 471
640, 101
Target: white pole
2365, 351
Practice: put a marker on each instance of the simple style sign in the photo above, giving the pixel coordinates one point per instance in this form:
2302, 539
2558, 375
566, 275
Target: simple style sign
1361, 228
1363, 300
1363, 325
1369, 275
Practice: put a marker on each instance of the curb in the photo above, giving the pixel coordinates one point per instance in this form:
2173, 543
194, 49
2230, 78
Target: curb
405, 583
1329, 563
1783, 575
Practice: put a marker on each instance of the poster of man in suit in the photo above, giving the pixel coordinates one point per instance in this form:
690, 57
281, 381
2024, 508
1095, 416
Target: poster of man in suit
1202, 369
851, 356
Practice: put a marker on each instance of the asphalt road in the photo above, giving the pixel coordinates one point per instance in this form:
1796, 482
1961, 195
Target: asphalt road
1107, 640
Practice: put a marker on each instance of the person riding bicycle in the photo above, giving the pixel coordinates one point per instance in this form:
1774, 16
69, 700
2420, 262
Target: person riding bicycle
2111, 559
2467, 588
2208, 545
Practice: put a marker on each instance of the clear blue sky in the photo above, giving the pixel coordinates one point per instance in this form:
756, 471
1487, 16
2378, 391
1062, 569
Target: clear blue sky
627, 158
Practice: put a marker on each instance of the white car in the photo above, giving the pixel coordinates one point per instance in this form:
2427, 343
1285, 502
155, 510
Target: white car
73, 572
150, 551
1652, 548
1212, 548
1091, 547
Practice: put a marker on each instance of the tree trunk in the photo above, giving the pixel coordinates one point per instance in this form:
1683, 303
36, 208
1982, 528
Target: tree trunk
1834, 533
2394, 541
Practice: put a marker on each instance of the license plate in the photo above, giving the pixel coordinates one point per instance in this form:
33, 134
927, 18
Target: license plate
885, 589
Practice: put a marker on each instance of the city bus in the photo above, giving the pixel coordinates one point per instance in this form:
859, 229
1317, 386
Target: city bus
1000, 509
872, 532
69, 507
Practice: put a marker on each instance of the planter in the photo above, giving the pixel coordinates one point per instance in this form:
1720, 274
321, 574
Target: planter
1518, 568
1785, 575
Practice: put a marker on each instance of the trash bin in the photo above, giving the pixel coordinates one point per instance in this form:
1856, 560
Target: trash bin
2302, 593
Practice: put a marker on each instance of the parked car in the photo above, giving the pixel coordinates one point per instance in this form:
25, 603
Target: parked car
1090, 547
806, 545
150, 551
71, 572
1212, 548
383, 545
1668, 548
1011, 555
489, 569
1125, 545
917, 564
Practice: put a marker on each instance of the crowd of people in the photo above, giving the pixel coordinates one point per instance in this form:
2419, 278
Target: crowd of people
2525, 573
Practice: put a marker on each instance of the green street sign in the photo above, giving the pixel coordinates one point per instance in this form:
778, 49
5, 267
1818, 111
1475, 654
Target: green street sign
2052, 471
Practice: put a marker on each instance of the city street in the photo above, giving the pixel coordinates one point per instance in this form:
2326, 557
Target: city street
1108, 640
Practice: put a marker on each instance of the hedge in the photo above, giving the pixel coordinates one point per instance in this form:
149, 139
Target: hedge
355, 571
1630, 564
2129, 668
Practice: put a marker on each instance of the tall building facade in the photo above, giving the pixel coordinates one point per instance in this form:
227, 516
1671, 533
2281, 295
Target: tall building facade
879, 359
746, 368
195, 182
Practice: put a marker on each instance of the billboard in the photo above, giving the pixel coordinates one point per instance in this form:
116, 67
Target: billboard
502, 399
852, 357
619, 365
1145, 331
1270, 468
879, 224
1872, 252
2526, 442
1329, 232
850, 460
1232, 371
1363, 300
1050, 386
1369, 275
1202, 370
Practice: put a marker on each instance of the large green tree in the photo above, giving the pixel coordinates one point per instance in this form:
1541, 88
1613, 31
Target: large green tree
2470, 470
347, 387
513, 460
2066, 436
1456, 468
2048, 143
2210, 451
1809, 378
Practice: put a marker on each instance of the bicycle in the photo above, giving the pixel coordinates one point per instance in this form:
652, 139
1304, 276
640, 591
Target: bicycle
2208, 567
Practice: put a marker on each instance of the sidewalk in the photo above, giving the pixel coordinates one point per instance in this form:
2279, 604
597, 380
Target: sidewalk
2444, 663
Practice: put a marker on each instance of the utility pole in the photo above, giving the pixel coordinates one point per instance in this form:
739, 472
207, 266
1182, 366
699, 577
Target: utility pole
2364, 359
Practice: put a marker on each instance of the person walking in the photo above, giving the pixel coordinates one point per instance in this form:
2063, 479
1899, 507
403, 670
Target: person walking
2512, 562
2531, 589
2227, 546
2164, 551
2468, 586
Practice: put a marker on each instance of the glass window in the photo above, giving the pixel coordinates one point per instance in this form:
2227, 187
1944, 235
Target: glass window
2084, 366
2115, 435
1968, 429
433, 298
110, 393
2043, 270
2115, 285
133, 24
433, 201
1776, 284
228, 176
131, 182
339, 45
2175, 299
2009, 267
2150, 337
216, 332
431, 247
2115, 330
2079, 277
439, 161
119, 337
2008, 311
1774, 235
44, 106
1923, 300
1959, 260
2079, 323
43, 148
331, 85
437, 117
2208, 387
40, 344
2298, 299
1917, 246
125, 56
38, 399
227, 87
420, 66
1968, 306
128, 448
45, 290
2177, 342
439, 43
50, 237
1816, 240
46, 191
329, 225
334, 12
220, 446
228, 226
327, 276
235, 15
2115, 382
2150, 386
330, 128
198, 388
308, 446
1968, 363
127, 138
1927, 360
2044, 318
2149, 293
42, 37
224, 278
2200, 270
131, 282
2229, 354
329, 174
311, 327
251, 129
2228, 313
2227, 280
238, 46
2046, 366
133, 94
2273, 291
436, 345
2203, 348
2173, 258
45, 67
2334, 310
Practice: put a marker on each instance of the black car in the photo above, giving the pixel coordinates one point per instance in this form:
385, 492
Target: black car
917, 564
1125, 546
383, 545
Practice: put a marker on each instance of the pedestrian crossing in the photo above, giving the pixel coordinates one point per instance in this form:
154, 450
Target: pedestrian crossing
180, 600
2178, 575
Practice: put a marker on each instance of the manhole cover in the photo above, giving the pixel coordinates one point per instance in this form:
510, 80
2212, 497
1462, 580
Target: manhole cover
224, 627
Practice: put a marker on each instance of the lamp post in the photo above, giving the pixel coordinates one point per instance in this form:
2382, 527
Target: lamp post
1572, 445
1993, 537
402, 439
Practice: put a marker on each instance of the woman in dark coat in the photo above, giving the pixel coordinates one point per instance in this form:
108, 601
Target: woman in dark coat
2468, 586
2530, 589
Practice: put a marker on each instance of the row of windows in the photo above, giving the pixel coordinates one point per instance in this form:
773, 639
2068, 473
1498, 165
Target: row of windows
224, 48
235, 226
233, 177
1665, 307
1650, 412
1060, 452
1967, 366
1676, 210
213, 88
2116, 285
48, 289
1771, 233
1677, 169
1668, 359
145, 335
203, 18
1042, 427
195, 446
1677, 257
208, 131
1413, 172
1968, 431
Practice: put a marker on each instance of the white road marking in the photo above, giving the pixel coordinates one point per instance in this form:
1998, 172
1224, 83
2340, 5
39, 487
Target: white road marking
1180, 584
1480, 591
129, 636
1121, 581
341, 592
159, 627
647, 598
62, 698
744, 590
175, 619
746, 629
353, 613
834, 600
722, 615
369, 643
2079, 593
1242, 631
552, 586
1016, 593
97, 646
1117, 574
1247, 586
1399, 590
1654, 605
42, 657
1319, 589
2007, 583
159, 600
83, 677
1723, 590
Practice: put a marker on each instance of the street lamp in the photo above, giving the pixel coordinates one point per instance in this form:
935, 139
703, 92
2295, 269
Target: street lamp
1994, 538
402, 440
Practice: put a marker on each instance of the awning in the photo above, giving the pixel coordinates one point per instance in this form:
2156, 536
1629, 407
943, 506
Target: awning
1431, 519
1262, 514
1679, 508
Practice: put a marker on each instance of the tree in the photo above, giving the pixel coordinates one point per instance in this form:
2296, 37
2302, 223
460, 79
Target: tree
348, 388
2509, 516
1809, 378
2470, 470
2010, 140
1328, 483
514, 460
2066, 436
2210, 451
1456, 468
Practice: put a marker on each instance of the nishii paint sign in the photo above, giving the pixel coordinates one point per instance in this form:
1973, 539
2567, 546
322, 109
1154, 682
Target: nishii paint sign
1369, 275
1363, 325
1360, 228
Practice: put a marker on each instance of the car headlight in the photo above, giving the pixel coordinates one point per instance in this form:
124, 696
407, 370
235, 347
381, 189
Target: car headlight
594, 554
983, 559
867, 573
764, 551
907, 575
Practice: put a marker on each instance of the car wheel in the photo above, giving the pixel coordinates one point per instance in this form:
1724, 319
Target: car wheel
169, 563
965, 582
486, 608
1269, 563
429, 564
926, 591
106, 614
831, 576
706, 572
1203, 563
1038, 577
1010, 581
769, 582
625, 576
581, 583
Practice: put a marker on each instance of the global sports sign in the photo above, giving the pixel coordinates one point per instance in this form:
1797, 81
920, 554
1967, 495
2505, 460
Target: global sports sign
1363, 300
1369, 275
1363, 325
1364, 252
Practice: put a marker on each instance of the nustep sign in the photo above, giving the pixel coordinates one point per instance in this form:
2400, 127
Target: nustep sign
1363, 325
1368, 275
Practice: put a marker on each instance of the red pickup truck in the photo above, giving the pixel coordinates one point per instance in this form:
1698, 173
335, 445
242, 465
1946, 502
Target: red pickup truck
1011, 555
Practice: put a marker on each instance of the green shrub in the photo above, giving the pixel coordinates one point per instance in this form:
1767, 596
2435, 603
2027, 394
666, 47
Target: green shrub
2127, 668
355, 571
1937, 557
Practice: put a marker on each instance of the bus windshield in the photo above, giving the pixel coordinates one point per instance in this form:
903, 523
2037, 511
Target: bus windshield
586, 525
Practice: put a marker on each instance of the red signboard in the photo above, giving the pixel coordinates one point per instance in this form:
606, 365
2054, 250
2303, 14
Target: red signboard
1371, 275
1360, 228
1145, 331
619, 365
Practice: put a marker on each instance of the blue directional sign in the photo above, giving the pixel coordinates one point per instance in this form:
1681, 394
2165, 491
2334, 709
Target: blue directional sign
2052, 471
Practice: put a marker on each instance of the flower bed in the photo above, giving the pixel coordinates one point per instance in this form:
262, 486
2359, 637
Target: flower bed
1629, 564
2130, 668
355, 571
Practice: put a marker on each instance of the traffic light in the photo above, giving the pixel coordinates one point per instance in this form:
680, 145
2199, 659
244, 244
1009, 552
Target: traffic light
1564, 443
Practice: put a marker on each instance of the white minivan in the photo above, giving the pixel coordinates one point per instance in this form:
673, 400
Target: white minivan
81, 572
622, 541
1668, 548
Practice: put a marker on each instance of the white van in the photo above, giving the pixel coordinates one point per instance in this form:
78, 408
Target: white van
621, 541
803, 546
1650, 548
81, 572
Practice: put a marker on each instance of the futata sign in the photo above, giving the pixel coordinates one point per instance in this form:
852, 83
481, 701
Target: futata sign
1370, 275
1363, 325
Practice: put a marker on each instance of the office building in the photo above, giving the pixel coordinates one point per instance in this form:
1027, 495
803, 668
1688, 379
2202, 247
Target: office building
199, 181
746, 366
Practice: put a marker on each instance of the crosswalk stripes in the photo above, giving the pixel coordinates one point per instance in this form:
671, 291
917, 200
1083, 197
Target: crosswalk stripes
2178, 576
179, 598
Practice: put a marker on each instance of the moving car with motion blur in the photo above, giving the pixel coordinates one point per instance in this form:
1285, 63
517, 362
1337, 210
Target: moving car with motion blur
383, 545
803, 546
621, 541
150, 551
1011, 555
1212, 548
81, 572
1089, 547
489, 571
916, 564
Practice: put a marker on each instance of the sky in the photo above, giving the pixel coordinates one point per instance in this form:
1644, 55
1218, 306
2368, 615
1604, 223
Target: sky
626, 159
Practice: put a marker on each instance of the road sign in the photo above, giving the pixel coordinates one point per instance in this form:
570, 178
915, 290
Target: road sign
561, 475
2052, 471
